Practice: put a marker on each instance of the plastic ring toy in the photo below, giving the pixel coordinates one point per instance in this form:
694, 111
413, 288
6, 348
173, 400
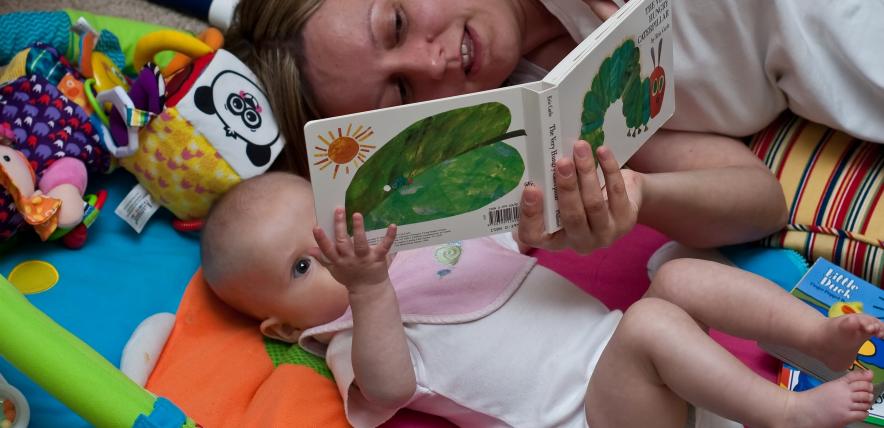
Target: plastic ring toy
168, 40
90, 95
106, 73
211, 37
96, 203
187, 225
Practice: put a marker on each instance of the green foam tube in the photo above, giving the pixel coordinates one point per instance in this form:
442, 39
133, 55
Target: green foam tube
65, 366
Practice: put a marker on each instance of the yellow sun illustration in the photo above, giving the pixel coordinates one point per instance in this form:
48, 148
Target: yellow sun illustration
343, 149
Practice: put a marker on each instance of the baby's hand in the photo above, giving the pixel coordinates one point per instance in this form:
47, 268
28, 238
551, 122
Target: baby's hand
353, 262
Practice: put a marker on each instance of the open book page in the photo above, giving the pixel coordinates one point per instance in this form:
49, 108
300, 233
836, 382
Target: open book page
441, 171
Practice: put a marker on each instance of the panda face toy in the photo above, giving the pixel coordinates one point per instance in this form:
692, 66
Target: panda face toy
227, 105
243, 110
214, 129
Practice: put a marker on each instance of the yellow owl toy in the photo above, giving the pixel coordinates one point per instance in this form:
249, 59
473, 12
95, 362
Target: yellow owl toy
191, 137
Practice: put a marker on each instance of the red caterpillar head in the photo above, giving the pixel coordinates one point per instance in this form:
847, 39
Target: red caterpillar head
658, 80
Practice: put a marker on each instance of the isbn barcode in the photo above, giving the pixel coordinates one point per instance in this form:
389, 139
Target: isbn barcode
503, 215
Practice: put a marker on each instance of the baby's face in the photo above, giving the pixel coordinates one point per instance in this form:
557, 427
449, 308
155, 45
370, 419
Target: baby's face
288, 284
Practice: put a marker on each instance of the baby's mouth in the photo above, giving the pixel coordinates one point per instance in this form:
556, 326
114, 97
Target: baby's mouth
466, 51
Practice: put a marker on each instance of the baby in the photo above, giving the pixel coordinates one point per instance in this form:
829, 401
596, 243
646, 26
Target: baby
482, 336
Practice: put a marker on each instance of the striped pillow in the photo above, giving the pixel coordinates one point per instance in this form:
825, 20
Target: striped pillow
833, 185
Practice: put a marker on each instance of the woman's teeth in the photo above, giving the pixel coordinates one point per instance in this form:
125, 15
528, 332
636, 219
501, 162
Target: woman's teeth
466, 52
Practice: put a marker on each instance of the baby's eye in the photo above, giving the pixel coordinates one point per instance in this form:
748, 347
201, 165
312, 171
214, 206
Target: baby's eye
301, 267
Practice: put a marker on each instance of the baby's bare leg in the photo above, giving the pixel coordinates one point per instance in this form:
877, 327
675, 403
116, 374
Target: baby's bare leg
659, 358
749, 306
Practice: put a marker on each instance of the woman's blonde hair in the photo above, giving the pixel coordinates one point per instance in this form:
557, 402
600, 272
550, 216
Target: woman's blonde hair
267, 36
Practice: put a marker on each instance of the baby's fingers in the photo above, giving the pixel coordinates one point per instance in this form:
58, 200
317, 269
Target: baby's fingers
389, 239
317, 255
342, 239
360, 242
326, 252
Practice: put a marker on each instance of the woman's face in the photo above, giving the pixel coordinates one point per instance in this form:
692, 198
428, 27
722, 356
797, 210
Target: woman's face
369, 54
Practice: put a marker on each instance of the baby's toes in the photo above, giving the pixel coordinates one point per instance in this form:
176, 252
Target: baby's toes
862, 397
859, 379
871, 325
878, 327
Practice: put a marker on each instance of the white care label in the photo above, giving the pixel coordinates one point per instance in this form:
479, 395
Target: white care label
137, 208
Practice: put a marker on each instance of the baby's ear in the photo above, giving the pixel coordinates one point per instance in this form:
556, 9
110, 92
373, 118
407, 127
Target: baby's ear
275, 328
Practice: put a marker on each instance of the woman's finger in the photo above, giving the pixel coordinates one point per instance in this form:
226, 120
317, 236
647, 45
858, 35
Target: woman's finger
571, 209
591, 195
603, 8
531, 228
618, 200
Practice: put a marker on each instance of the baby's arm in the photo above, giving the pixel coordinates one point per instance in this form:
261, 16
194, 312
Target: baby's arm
707, 190
381, 360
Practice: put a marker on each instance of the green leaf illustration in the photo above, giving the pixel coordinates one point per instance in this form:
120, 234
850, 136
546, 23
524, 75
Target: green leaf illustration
443, 165
456, 186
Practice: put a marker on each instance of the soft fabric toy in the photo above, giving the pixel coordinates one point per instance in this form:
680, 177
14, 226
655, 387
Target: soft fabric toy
51, 144
16, 175
211, 127
65, 30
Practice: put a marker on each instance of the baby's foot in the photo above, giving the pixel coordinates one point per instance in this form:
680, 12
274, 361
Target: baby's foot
833, 404
840, 338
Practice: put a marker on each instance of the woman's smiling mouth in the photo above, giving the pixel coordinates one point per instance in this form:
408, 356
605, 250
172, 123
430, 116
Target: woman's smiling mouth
468, 51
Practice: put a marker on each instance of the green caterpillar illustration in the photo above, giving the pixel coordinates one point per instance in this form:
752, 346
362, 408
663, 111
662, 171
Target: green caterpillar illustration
619, 78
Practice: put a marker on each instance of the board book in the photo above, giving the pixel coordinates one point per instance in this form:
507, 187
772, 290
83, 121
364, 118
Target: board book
454, 168
833, 291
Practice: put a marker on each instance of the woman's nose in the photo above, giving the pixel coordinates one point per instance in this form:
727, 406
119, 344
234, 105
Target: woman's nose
430, 60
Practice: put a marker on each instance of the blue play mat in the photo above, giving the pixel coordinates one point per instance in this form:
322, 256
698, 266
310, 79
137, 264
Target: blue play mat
105, 289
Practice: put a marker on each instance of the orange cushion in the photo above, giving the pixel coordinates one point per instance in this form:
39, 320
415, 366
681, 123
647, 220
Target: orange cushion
216, 368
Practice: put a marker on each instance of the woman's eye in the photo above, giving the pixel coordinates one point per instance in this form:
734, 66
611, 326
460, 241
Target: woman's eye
301, 267
399, 25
